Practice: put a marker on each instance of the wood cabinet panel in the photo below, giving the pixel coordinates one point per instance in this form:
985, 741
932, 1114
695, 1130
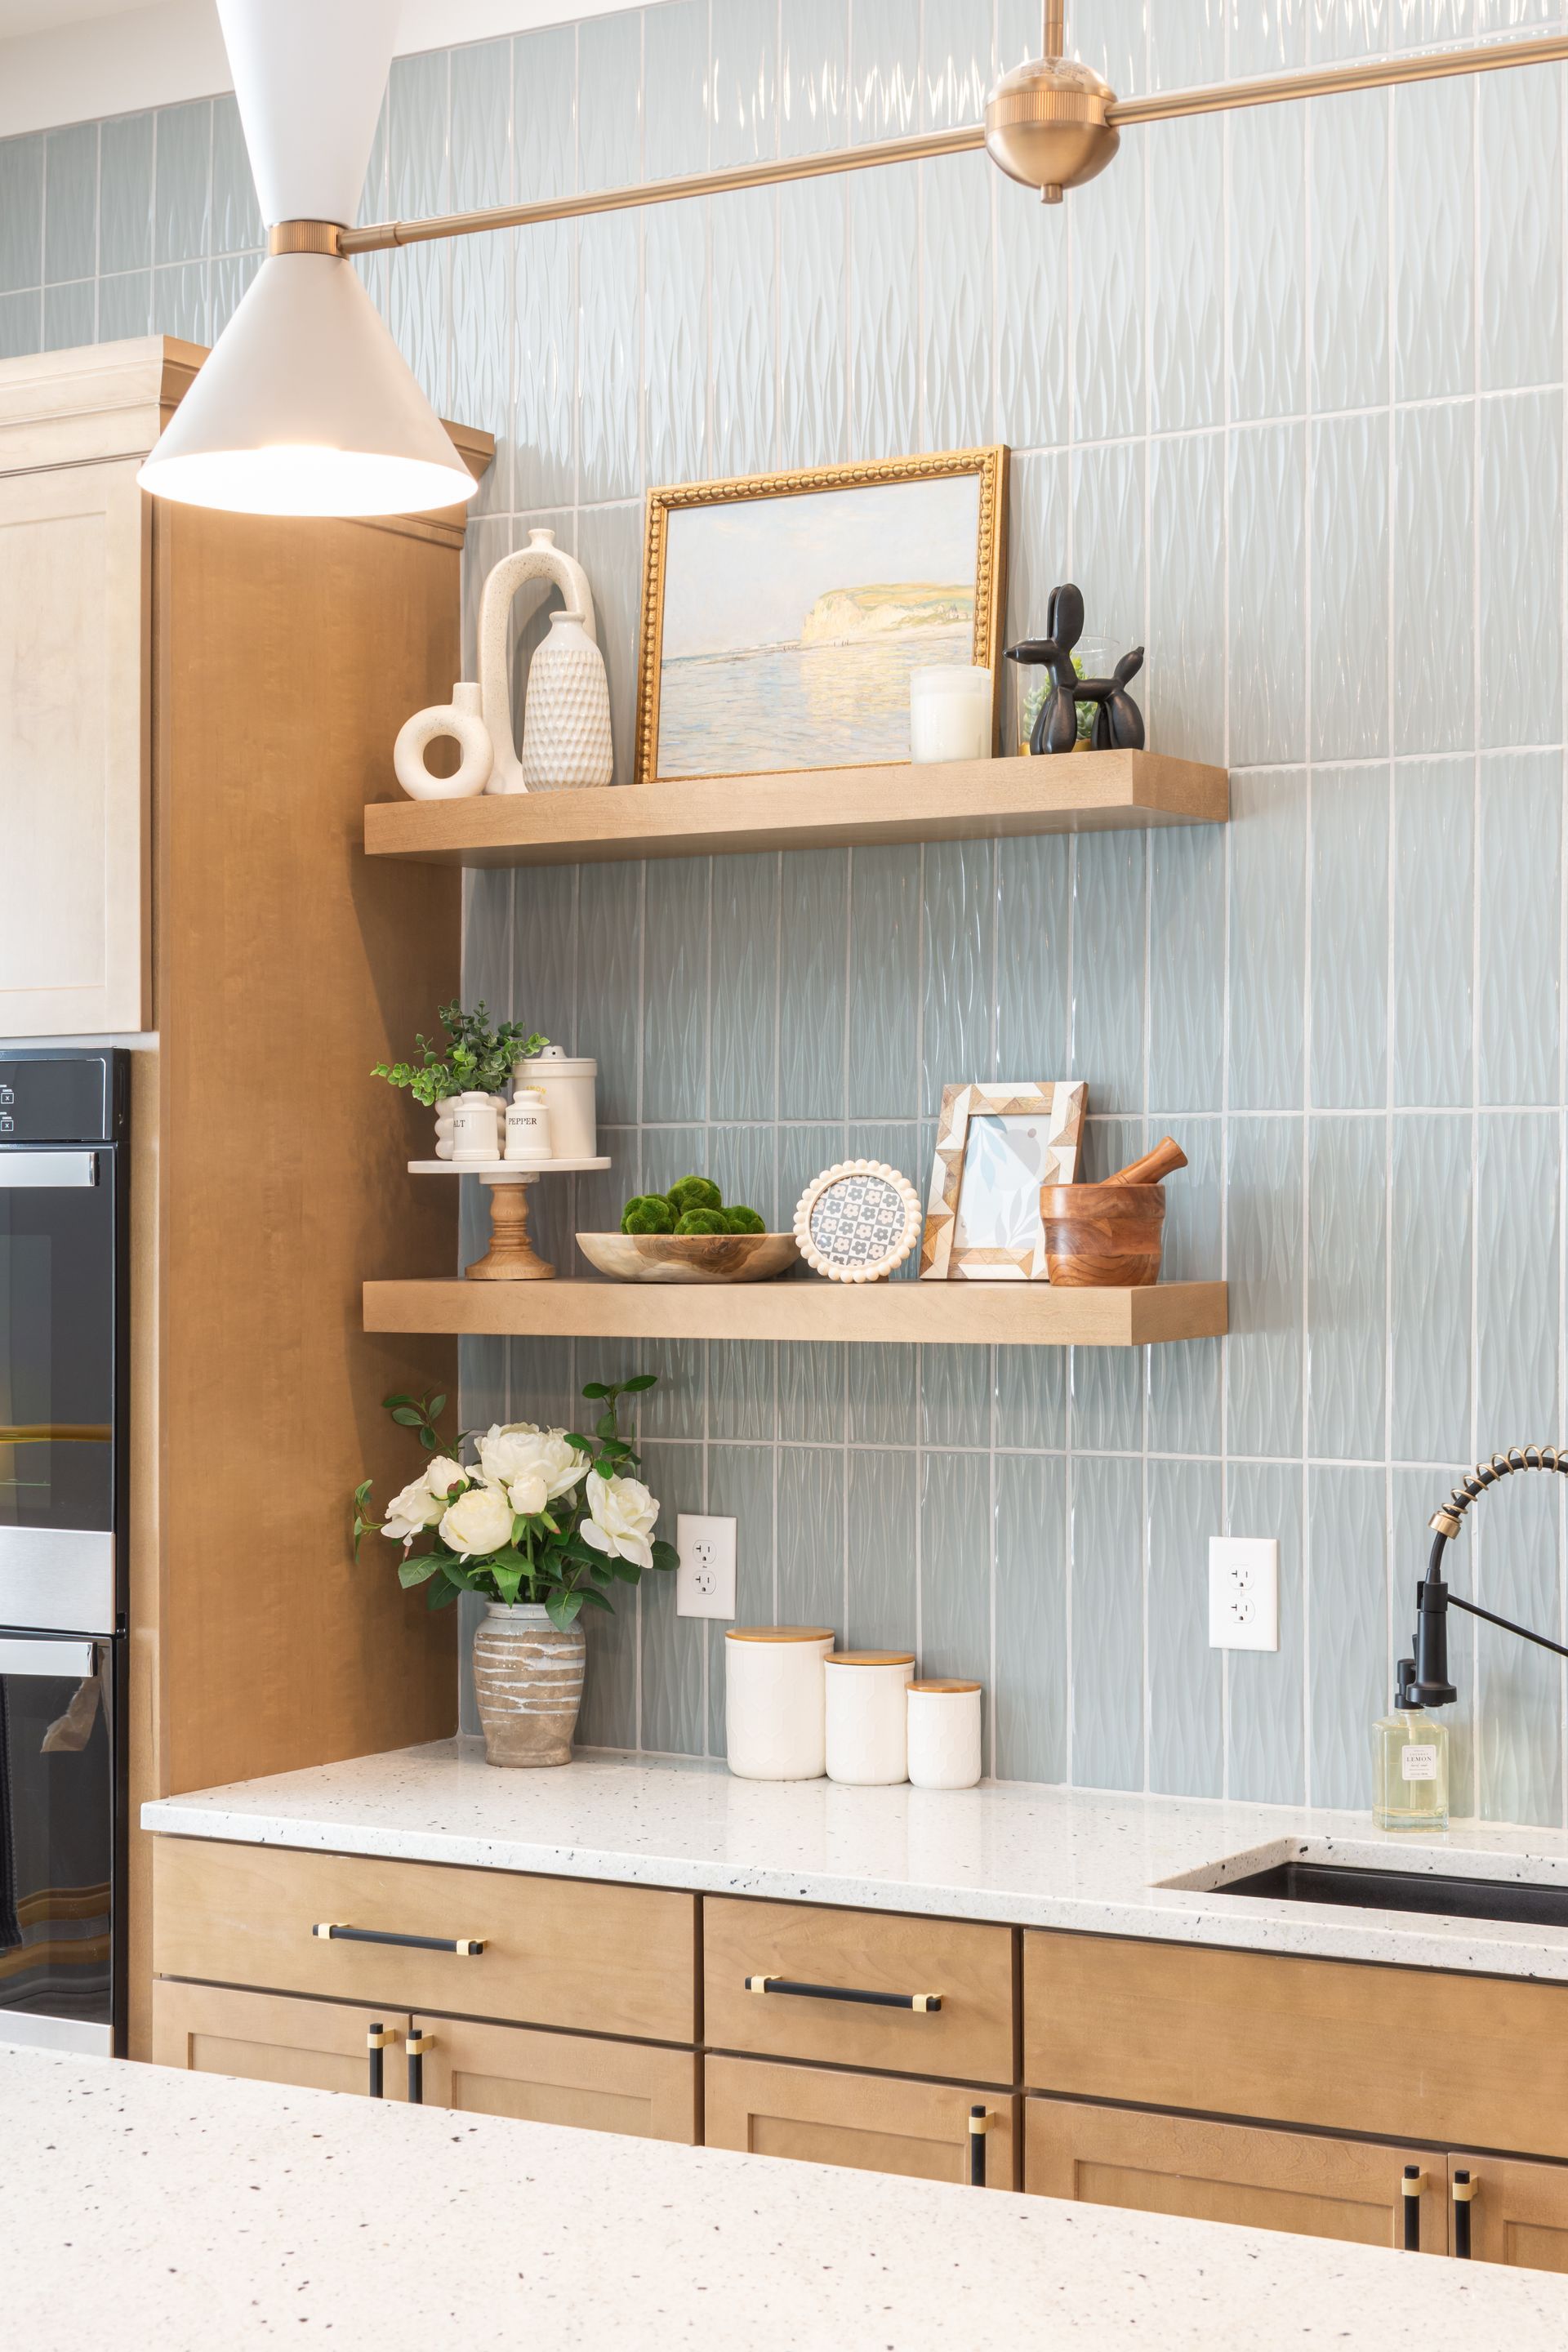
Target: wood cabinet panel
558, 1952
74, 771
969, 1965
1293, 2181
268, 2038
1395, 2052
1519, 2214
560, 2078
870, 2122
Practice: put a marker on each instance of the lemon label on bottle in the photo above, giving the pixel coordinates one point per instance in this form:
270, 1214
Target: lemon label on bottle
1418, 1763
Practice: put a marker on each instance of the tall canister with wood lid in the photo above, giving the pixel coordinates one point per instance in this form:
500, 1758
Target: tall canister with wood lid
773, 1701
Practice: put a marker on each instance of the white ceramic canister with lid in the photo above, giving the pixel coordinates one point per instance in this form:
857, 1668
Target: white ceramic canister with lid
773, 1701
867, 1733
944, 1734
568, 1087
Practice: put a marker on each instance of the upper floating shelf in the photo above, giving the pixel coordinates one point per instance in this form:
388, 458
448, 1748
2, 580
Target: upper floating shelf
952, 1314
817, 808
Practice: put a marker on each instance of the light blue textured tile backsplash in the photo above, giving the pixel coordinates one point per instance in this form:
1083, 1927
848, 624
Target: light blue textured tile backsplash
1267, 410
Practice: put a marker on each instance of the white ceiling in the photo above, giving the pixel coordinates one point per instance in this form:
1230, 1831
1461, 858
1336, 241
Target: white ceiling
73, 60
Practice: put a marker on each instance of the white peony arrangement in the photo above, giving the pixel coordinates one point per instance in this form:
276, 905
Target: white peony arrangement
540, 1515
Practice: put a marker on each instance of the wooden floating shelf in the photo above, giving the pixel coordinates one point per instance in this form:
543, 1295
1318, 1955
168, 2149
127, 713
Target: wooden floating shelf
818, 808
943, 1314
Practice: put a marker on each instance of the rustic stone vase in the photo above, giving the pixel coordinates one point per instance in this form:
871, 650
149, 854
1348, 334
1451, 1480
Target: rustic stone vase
528, 1681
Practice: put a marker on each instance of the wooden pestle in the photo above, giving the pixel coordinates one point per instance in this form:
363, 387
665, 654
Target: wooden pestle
1162, 1160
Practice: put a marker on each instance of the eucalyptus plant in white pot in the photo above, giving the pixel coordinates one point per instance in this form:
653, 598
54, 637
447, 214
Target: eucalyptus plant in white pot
539, 1523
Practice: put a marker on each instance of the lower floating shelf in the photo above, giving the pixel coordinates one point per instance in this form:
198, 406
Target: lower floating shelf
940, 1314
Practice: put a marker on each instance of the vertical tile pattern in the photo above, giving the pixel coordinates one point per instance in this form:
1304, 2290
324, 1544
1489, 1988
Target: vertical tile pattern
1291, 431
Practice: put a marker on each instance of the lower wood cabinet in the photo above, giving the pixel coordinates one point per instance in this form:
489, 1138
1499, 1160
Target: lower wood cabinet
560, 2078
1294, 2181
1519, 2214
268, 2037
872, 2122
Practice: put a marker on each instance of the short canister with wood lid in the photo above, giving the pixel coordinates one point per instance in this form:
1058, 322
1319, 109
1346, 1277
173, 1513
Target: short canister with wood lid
774, 1703
866, 1734
944, 1734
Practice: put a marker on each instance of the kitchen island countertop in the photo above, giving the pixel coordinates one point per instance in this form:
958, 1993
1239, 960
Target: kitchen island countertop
1093, 1860
192, 2213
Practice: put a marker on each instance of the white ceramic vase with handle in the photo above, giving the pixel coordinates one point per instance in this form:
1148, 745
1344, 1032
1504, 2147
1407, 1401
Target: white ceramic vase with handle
540, 566
566, 744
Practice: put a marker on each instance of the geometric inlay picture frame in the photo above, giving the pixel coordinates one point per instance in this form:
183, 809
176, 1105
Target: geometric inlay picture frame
996, 1144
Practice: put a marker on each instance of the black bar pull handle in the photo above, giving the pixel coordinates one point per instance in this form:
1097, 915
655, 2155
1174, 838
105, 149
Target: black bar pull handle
333, 1931
377, 2040
416, 2046
922, 2001
979, 2125
1464, 2198
1414, 2182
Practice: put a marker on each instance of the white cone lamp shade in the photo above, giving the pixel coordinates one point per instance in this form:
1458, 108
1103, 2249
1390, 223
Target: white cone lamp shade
306, 407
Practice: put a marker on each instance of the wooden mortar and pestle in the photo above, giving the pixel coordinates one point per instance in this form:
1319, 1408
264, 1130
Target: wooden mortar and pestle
1107, 1236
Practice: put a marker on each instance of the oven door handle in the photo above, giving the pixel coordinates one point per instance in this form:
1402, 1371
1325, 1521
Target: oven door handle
69, 1662
47, 1172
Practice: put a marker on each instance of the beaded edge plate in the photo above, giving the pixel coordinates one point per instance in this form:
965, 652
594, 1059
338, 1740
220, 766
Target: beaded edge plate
869, 1238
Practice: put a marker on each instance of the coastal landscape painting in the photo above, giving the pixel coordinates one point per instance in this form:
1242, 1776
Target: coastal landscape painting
782, 622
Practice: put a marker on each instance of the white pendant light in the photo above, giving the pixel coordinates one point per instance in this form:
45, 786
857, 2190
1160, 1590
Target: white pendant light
306, 407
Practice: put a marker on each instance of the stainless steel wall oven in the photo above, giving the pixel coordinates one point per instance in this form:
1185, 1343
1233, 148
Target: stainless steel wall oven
64, 1275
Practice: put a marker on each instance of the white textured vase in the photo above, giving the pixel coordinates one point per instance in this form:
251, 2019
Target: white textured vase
566, 742
528, 1682
540, 567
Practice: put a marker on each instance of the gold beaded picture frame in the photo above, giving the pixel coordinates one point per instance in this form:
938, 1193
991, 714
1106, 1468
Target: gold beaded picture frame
996, 1146
782, 613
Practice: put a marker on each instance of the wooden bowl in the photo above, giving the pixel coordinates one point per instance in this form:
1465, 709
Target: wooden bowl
690, 1257
1102, 1236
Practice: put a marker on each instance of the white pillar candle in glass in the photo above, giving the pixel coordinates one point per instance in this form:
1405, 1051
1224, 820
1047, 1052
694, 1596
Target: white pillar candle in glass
867, 1738
950, 714
944, 1734
774, 1704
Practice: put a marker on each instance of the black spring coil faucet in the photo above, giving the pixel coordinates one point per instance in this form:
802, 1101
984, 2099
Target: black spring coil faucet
1425, 1676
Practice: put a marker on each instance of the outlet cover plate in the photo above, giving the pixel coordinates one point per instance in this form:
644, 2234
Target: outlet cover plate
1244, 1593
705, 1579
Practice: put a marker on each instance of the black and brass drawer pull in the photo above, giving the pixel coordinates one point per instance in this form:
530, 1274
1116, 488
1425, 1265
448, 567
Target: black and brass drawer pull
467, 1947
1414, 2182
979, 2125
919, 2001
1464, 2197
416, 2046
377, 2040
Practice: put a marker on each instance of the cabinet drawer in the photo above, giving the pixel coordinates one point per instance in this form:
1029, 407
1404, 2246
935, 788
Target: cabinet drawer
1400, 2052
267, 2037
1292, 2182
865, 2121
970, 1966
557, 1951
560, 2078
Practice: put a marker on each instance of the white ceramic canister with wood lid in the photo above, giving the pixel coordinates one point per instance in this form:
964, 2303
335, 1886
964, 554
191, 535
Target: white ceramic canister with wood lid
867, 1735
568, 1087
773, 1701
944, 1734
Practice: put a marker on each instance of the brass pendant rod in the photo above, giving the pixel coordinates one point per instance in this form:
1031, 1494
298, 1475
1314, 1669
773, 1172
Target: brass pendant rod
924, 146
1337, 81
1056, 30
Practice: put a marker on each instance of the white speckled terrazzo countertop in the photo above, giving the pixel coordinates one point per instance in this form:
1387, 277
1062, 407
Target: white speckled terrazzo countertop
1040, 1857
190, 2213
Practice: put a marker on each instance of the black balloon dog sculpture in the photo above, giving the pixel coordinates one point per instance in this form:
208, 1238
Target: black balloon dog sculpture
1117, 722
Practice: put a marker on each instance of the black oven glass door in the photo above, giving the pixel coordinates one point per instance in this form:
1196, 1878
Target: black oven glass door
57, 1338
57, 1838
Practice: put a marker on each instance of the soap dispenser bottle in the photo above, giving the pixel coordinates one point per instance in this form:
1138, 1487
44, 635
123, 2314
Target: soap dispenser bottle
1410, 1762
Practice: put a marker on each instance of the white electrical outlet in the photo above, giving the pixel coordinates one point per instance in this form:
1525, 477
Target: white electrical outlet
705, 1579
1244, 1593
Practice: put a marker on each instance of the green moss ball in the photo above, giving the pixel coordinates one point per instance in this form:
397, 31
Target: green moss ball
650, 1212
744, 1221
703, 1221
694, 1192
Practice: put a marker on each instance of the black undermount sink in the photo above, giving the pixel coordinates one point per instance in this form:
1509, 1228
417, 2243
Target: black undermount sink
1406, 1890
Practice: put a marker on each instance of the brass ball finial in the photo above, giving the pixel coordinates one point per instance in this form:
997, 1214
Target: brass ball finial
1046, 126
